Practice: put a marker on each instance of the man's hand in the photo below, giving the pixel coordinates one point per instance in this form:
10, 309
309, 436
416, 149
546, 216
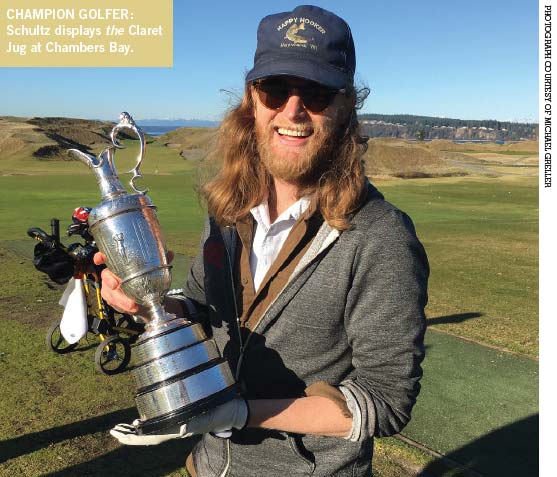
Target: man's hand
111, 291
220, 421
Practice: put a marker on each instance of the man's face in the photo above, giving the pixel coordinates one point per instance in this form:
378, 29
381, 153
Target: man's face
293, 141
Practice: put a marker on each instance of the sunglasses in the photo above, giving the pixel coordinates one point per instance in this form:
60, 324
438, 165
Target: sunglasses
274, 94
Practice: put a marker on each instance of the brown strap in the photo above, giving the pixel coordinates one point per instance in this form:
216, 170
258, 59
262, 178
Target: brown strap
296, 245
190, 468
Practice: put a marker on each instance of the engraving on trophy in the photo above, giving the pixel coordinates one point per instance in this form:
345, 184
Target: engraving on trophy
119, 239
145, 251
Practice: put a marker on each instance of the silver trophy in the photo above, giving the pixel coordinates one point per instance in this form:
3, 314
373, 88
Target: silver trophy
178, 372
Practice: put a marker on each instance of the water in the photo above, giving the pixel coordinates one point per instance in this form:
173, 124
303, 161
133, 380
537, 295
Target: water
158, 130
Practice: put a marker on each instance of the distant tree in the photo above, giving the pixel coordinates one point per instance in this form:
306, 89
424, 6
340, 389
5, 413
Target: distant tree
420, 135
408, 126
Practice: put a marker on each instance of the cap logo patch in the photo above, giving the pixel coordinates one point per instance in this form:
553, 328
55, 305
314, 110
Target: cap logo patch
292, 33
297, 34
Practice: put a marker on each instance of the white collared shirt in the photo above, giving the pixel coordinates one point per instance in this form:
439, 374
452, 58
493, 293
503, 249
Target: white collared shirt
269, 238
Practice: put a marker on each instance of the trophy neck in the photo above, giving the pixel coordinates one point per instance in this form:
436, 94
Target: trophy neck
107, 177
155, 316
110, 187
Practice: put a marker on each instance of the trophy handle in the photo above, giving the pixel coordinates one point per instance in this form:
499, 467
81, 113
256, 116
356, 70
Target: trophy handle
127, 122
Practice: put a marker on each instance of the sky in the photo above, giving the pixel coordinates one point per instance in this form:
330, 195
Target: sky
468, 60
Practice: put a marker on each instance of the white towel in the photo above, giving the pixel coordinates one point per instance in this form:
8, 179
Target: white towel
74, 320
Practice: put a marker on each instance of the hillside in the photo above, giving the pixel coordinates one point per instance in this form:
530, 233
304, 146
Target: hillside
23, 141
192, 143
49, 138
443, 158
388, 157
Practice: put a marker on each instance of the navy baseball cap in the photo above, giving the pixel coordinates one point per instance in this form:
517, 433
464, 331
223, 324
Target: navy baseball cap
309, 43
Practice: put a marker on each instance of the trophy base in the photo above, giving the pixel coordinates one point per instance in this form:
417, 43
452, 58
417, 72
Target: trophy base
179, 374
181, 416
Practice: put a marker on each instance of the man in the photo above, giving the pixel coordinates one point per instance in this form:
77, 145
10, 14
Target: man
311, 284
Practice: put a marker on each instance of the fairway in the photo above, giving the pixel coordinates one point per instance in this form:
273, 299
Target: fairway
481, 236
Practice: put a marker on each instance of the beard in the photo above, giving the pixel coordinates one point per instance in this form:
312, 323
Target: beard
301, 166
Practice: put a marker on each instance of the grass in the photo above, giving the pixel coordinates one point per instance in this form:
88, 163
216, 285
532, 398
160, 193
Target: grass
160, 160
55, 408
481, 237
60, 429
480, 234
482, 241
394, 458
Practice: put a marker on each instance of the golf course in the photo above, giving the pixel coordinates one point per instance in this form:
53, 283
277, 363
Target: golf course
475, 207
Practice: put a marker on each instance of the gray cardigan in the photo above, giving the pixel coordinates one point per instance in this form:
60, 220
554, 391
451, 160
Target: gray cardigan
352, 313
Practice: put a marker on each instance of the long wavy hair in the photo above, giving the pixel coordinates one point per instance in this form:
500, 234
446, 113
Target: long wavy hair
243, 182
